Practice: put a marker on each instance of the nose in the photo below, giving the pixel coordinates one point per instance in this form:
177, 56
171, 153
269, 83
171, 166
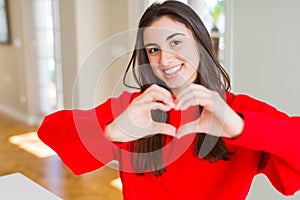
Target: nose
166, 57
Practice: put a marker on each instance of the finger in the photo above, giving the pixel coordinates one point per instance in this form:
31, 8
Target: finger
186, 103
158, 106
164, 128
188, 128
185, 100
197, 97
157, 93
190, 89
162, 94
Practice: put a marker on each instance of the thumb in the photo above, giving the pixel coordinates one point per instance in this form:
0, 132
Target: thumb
188, 128
164, 128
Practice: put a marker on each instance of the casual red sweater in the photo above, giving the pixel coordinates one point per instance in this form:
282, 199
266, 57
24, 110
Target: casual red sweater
269, 144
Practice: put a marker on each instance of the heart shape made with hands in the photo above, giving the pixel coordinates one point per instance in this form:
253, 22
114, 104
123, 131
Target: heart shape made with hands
189, 122
216, 118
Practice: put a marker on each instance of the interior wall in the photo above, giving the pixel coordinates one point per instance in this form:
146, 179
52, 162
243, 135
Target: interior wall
265, 62
10, 67
84, 26
67, 12
99, 25
19, 92
16, 97
266, 51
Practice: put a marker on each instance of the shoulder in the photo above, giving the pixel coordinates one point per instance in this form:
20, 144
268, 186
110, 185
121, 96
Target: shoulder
125, 96
244, 102
117, 102
241, 99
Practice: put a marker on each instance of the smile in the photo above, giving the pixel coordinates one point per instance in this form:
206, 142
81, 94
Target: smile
173, 69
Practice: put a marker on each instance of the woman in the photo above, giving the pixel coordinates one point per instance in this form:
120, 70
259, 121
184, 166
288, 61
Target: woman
183, 135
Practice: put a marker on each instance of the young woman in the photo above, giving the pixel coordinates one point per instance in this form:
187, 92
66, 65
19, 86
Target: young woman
183, 135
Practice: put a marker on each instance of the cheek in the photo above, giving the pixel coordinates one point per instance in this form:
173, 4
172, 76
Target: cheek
190, 53
153, 59
154, 67
194, 60
192, 57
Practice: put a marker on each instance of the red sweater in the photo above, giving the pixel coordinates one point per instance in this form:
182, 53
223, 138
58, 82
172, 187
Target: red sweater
269, 144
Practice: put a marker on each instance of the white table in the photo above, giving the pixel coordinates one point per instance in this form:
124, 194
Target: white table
18, 187
262, 189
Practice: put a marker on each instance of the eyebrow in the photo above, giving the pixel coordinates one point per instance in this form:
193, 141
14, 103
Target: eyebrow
168, 38
173, 35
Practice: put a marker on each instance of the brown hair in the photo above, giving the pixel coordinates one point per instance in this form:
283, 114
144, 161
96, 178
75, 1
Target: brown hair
210, 74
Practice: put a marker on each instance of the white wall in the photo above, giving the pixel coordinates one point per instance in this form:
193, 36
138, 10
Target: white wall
266, 51
264, 63
98, 26
12, 63
18, 69
85, 24
68, 49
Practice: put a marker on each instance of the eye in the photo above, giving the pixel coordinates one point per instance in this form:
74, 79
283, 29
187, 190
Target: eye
152, 50
175, 42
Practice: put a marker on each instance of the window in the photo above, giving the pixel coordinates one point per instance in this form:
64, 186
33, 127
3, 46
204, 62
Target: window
4, 26
47, 32
212, 13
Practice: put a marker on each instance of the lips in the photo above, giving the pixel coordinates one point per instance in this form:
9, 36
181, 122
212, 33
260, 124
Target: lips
173, 70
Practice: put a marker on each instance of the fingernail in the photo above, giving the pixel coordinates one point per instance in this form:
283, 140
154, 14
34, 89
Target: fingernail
177, 107
173, 105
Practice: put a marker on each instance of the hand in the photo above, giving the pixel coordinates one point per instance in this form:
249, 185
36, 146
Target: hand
217, 118
136, 121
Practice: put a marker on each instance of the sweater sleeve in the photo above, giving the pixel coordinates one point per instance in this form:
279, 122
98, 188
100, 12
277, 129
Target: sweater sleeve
77, 136
277, 136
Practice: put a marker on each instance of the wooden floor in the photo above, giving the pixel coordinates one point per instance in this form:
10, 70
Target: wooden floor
50, 172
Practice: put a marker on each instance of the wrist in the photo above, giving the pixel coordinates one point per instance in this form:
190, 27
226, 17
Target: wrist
115, 133
238, 128
235, 125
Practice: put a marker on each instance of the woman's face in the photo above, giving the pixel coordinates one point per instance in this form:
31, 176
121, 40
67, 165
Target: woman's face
172, 52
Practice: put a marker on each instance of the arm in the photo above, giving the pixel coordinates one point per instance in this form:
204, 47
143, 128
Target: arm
276, 135
78, 137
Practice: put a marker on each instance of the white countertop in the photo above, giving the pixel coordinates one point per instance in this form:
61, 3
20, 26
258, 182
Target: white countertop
18, 187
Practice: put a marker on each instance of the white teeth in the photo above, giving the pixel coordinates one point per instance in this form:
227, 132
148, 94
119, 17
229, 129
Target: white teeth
172, 70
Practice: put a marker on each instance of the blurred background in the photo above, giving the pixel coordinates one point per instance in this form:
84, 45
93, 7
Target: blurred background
63, 54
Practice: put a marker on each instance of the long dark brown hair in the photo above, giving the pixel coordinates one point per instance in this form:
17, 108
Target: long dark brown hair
210, 74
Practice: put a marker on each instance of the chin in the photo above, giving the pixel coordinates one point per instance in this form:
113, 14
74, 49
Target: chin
176, 86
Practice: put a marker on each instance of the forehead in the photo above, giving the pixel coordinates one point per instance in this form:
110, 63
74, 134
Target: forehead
160, 29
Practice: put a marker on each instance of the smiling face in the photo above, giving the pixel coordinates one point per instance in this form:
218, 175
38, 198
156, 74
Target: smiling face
172, 52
